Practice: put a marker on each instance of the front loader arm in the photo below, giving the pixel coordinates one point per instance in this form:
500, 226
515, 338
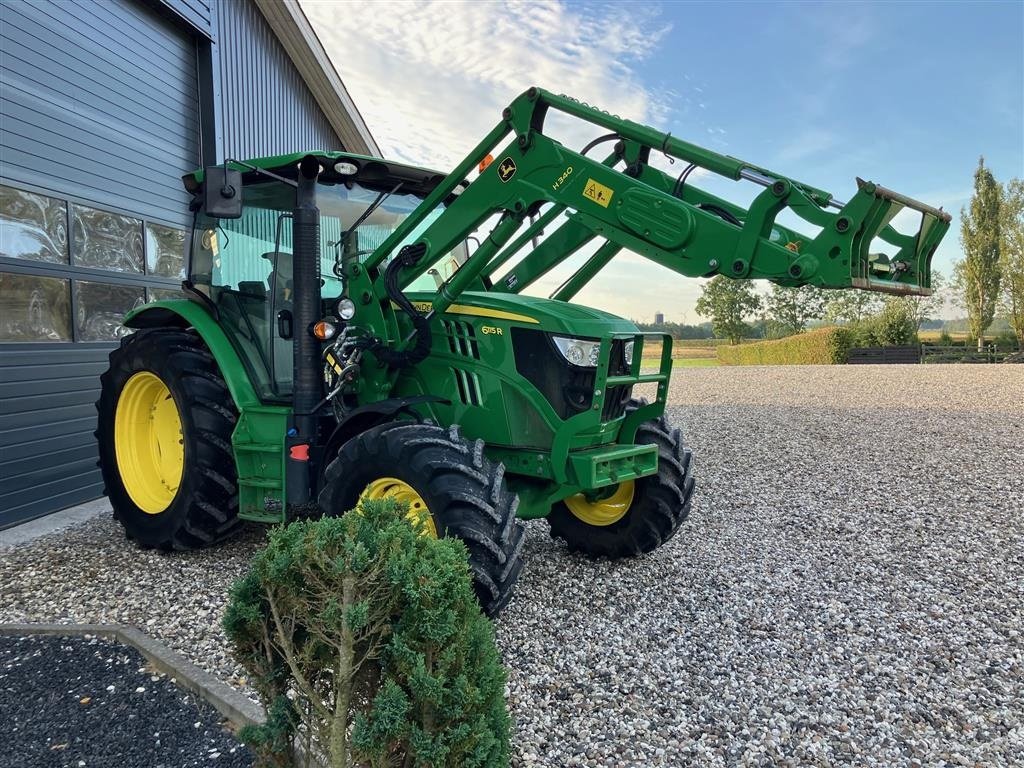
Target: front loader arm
641, 209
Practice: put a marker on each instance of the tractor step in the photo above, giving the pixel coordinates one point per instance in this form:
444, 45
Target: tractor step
258, 447
259, 482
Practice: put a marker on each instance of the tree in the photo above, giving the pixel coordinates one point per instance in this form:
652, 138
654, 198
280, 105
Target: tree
893, 326
364, 639
921, 308
852, 306
728, 302
978, 273
790, 309
1011, 255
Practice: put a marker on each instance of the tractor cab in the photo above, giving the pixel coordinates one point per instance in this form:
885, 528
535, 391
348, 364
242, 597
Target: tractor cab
241, 266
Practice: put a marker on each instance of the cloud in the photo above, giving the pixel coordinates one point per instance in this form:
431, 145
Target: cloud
432, 78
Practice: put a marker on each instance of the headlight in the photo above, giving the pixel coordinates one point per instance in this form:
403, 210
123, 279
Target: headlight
346, 308
627, 352
581, 352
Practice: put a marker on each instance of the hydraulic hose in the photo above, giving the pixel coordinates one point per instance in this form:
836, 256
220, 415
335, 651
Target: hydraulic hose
423, 337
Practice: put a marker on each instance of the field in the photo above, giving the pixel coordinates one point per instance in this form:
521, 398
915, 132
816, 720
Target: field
690, 353
848, 590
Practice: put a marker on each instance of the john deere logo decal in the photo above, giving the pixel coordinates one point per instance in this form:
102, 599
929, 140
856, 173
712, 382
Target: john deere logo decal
507, 169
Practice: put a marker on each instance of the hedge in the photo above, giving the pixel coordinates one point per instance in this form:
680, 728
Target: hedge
822, 346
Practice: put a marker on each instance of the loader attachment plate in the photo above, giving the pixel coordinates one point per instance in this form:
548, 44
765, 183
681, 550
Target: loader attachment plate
908, 269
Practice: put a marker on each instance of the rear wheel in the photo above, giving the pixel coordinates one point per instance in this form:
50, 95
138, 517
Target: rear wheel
164, 434
636, 516
451, 490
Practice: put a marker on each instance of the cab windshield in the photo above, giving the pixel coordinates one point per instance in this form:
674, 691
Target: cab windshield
244, 265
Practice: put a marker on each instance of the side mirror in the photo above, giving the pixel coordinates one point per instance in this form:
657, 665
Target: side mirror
223, 188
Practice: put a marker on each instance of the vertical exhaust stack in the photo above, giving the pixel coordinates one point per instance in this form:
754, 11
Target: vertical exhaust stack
306, 387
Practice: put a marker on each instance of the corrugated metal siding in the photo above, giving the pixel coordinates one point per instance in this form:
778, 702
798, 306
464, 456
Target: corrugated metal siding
47, 417
99, 101
195, 12
266, 108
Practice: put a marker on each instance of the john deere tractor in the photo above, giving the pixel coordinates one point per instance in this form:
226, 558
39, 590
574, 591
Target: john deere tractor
340, 339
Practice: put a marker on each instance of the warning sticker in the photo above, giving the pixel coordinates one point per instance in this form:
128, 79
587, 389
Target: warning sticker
599, 193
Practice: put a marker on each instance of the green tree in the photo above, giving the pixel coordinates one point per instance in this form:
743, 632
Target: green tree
1011, 254
852, 306
978, 273
895, 325
364, 640
728, 303
791, 309
921, 308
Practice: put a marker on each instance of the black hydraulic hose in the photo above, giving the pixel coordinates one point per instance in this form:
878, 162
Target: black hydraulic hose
406, 358
599, 140
682, 179
721, 213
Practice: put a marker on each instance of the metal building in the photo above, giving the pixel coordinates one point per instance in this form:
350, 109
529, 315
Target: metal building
103, 107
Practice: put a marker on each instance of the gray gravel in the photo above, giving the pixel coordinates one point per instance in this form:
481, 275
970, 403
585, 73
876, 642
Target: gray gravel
848, 590
82, 702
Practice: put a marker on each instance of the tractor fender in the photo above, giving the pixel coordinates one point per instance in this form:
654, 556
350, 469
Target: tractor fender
368, 416
188, 314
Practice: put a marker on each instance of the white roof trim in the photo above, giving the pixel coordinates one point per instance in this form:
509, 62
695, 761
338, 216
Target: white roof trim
303, 47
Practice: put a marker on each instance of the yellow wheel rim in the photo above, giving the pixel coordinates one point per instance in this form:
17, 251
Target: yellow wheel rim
148, 442
399, 490
603, 511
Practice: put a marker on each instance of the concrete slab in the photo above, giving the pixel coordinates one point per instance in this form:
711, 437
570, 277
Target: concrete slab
58, 521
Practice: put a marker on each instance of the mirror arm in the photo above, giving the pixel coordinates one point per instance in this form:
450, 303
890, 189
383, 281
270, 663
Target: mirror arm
261, 171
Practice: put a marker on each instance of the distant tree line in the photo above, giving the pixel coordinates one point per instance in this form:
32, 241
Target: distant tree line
679, 330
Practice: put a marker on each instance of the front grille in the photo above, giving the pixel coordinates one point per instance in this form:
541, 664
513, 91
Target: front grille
569, 388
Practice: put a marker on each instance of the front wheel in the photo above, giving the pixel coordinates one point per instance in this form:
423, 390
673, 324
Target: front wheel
635, 516
450, 488
164, 434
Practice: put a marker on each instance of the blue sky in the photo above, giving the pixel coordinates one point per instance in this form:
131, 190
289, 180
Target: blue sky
905, 94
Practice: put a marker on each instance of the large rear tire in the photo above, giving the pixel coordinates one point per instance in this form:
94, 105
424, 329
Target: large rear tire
164, 434
637, 516
463, 492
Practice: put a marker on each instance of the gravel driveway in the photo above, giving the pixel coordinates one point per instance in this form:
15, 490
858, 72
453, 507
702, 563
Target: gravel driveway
848, 590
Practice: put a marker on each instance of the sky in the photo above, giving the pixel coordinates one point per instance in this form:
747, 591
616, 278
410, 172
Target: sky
908, 95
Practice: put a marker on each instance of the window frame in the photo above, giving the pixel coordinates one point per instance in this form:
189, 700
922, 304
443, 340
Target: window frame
75, 273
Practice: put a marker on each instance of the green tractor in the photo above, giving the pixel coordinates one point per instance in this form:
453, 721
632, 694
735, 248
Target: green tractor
339, 339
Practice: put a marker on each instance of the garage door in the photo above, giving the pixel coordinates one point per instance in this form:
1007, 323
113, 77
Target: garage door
100, 119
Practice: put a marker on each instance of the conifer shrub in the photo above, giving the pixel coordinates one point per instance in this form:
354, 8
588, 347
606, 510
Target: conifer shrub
367, 647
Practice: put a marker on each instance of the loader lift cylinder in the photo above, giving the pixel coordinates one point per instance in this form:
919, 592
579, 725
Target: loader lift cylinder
306, 386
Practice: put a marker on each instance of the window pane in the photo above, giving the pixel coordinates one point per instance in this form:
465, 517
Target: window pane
164, 294
33, 226
34, 308
165, 251
102, 307
105, 240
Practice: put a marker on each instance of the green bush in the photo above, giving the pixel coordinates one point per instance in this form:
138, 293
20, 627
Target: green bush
823, 346
894, 326
366, 641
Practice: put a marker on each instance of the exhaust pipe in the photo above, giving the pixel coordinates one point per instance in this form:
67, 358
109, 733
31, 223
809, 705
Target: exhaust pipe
307, 384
